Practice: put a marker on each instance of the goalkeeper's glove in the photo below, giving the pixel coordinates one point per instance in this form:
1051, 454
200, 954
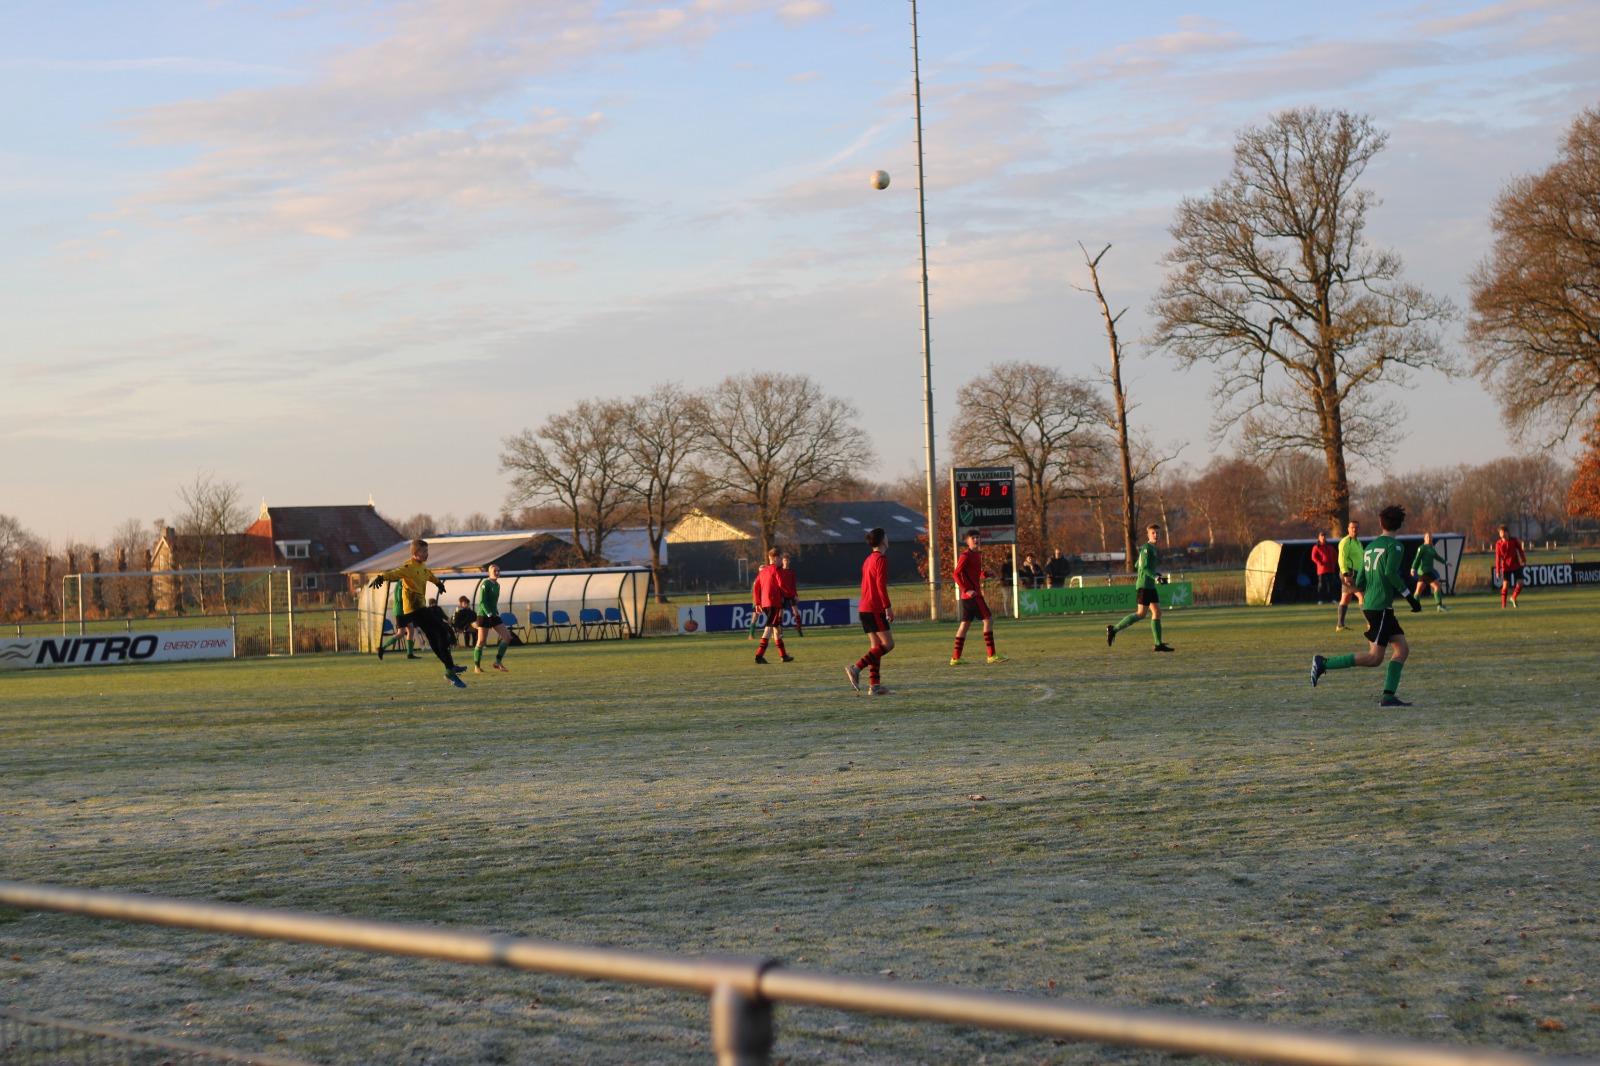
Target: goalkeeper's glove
375, 582
440, 586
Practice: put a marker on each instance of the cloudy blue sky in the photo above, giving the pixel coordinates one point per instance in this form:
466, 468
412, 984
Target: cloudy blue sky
331, 249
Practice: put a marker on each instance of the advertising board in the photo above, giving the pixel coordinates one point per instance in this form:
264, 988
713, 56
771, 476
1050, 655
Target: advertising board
1098, 598
733, 617
116, 649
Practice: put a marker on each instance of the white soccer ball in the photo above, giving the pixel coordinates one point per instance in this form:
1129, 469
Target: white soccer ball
880, 179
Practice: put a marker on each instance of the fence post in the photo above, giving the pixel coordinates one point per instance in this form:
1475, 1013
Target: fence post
336, 630
233, 624
741, 1019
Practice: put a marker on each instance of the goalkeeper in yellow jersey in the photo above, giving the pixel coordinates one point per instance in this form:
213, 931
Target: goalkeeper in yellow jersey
414, 578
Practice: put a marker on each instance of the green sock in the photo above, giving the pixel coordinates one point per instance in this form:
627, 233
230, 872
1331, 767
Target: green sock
477, 655
1438, 595
1155, 627
500, 651
1340, 662
410, 646
1126, 622
1391, 677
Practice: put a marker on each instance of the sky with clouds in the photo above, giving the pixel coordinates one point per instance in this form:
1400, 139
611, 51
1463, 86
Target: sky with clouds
339, 249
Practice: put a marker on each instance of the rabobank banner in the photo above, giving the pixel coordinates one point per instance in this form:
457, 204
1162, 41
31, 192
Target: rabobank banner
732, 617
116, 649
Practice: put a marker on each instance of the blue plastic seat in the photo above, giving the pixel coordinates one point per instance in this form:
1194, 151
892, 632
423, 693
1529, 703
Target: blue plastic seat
614, 619
589, 620
562, 621
537, 620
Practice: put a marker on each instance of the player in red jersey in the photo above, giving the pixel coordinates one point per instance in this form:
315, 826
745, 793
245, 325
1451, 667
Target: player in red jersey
791, 592
1508, 563
969, 575
876, 615
766, 596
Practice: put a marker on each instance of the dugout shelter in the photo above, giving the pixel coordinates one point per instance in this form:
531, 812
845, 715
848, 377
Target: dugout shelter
540, 606
1280, 571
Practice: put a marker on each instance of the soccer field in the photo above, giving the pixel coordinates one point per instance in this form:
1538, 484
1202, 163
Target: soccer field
1199, 832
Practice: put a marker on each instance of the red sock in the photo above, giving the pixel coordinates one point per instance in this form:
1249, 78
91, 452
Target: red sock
988, 640
1515, 593
761, 649
960, 642
874, 658
864, 662
780, 647
1503, 590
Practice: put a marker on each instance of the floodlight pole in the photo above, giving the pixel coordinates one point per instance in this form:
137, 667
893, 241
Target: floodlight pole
927, 357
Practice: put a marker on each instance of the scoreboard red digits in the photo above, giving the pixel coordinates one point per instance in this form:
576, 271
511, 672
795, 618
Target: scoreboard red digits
983, 501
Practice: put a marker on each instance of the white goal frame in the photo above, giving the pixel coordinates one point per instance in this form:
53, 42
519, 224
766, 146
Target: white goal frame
77, 581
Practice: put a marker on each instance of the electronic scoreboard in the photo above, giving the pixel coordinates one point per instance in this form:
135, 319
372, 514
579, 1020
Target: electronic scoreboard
984, 498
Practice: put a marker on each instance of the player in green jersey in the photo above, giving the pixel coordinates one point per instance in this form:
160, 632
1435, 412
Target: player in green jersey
489, 619
1424, 574
1145, 595
1349, 567
1379, 582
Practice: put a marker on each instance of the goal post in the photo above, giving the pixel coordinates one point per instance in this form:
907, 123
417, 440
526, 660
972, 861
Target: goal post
263, 592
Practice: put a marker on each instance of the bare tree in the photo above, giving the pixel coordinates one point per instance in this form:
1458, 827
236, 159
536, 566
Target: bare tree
17, 547
214, 513
662, 439
1297, 485
1273, 280
1535, 319
777, 441
1048, 426
1119, 401
577, 459
1233, 499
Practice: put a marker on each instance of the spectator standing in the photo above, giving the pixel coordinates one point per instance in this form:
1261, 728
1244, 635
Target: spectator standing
1030, 573
1326, 561
1058, 569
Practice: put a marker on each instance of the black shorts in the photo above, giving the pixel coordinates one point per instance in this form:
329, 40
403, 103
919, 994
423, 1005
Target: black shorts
1511, 577
1428, 578
770, 616
1147, 597
975, 609
874, 622
1382, 627
489, 621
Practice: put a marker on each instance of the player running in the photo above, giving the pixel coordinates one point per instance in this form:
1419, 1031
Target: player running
766, 596
1349, 567
489, 620
1380, 581
791, 592
969, 575
1423, 573
1508, 563
876, 615
1145, 595
413, 578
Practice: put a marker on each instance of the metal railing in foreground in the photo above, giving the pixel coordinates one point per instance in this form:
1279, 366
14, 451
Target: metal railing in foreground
742, 991
30, 1040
